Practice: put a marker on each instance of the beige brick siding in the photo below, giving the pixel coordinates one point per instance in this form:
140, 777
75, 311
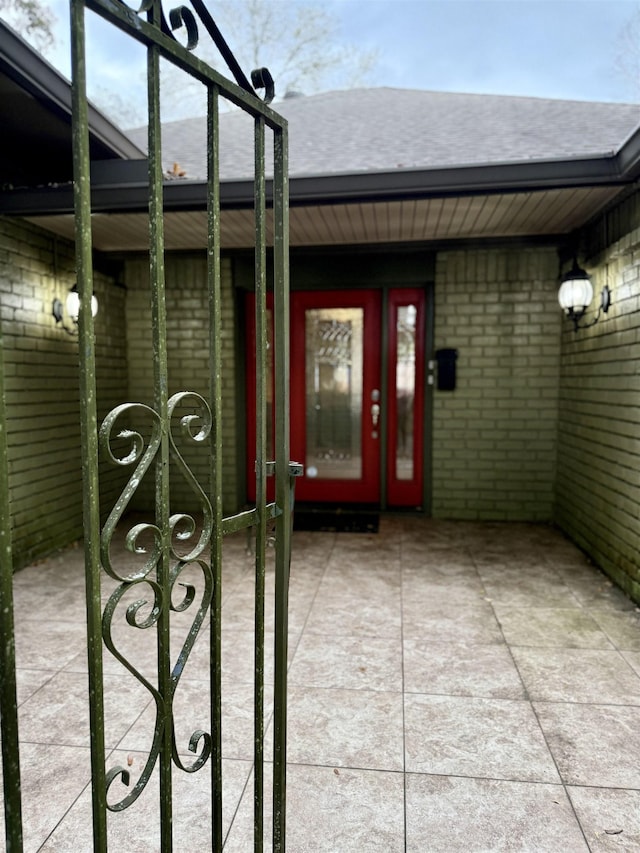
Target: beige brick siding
189, 364
41, 385
494, 437
598, 480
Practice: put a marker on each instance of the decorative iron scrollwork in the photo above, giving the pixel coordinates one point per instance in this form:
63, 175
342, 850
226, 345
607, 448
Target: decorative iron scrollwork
171, 541
183, 16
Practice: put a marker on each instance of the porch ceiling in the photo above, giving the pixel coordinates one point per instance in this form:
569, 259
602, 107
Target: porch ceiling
501, 215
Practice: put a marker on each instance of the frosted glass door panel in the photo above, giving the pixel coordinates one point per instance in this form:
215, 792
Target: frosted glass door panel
405, 390
334, 390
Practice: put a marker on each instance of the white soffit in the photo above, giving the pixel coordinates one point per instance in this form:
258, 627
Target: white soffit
544, 212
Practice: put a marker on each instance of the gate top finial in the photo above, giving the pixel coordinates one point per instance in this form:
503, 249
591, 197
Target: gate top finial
182, 16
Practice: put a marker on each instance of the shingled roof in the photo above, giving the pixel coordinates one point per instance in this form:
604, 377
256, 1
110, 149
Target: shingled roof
384, 129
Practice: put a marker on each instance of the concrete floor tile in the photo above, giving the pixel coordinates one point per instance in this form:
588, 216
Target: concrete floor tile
139, 647
312, 548
448, 562
142, 655
633, 659
530, 592
578, 675
515, 569
59, 712
332, 809
623, 628
238, 656
353, 663
238, 611
594, 590
439, 533
489, 738
430, 591
63, 570
29, 681
53, 777
610, 818
447, 622
345, 728
440, 565
367, 580
367, 545
371, 617
42, 644
595, 745
460, 669
35, 595
136, 829
561, 553
307, 569
192, 713
453, 815
551, 628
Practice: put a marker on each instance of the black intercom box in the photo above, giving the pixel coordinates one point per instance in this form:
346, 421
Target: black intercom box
446, 359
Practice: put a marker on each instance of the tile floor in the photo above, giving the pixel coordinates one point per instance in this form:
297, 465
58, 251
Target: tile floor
453, 686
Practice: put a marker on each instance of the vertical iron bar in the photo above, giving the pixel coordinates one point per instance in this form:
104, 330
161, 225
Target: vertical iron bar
161, 396
8, 697
261, 476
215, 396
283, 492
88, 420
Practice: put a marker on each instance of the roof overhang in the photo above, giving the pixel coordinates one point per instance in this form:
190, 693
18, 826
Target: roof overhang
121, 186
35, 116
496, 201
491, 200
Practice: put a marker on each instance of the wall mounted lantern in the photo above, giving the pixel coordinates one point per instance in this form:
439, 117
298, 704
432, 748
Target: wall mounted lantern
575, 295
73, 310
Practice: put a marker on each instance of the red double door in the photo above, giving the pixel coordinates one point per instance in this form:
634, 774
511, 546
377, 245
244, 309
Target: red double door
357, 396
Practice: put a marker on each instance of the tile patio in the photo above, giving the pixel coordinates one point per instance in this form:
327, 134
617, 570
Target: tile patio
453, 687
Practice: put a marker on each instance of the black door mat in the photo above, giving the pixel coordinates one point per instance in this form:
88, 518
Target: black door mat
336, 521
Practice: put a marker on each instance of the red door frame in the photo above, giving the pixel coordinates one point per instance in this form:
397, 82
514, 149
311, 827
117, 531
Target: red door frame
250, 329
399, 493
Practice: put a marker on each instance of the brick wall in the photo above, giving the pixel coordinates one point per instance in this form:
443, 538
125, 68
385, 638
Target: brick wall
494, 437
188, 362
598, 481
41, 387
537, 407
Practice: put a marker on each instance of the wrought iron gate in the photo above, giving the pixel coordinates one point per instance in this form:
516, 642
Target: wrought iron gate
172, 540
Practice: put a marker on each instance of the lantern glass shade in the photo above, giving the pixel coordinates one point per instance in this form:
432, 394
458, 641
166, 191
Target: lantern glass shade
575, 293
73, 304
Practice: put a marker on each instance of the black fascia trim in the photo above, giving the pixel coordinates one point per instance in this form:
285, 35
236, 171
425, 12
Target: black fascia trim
415, 184
460, 180
628, 157
125, 190
42, 81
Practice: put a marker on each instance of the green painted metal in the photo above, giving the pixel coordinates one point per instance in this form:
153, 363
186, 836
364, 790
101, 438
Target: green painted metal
89, 419
215, 392
160, 394
148, 439
285, 473
8, 698
261, 478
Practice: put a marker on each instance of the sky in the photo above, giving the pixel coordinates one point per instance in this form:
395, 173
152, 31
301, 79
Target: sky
541, 48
